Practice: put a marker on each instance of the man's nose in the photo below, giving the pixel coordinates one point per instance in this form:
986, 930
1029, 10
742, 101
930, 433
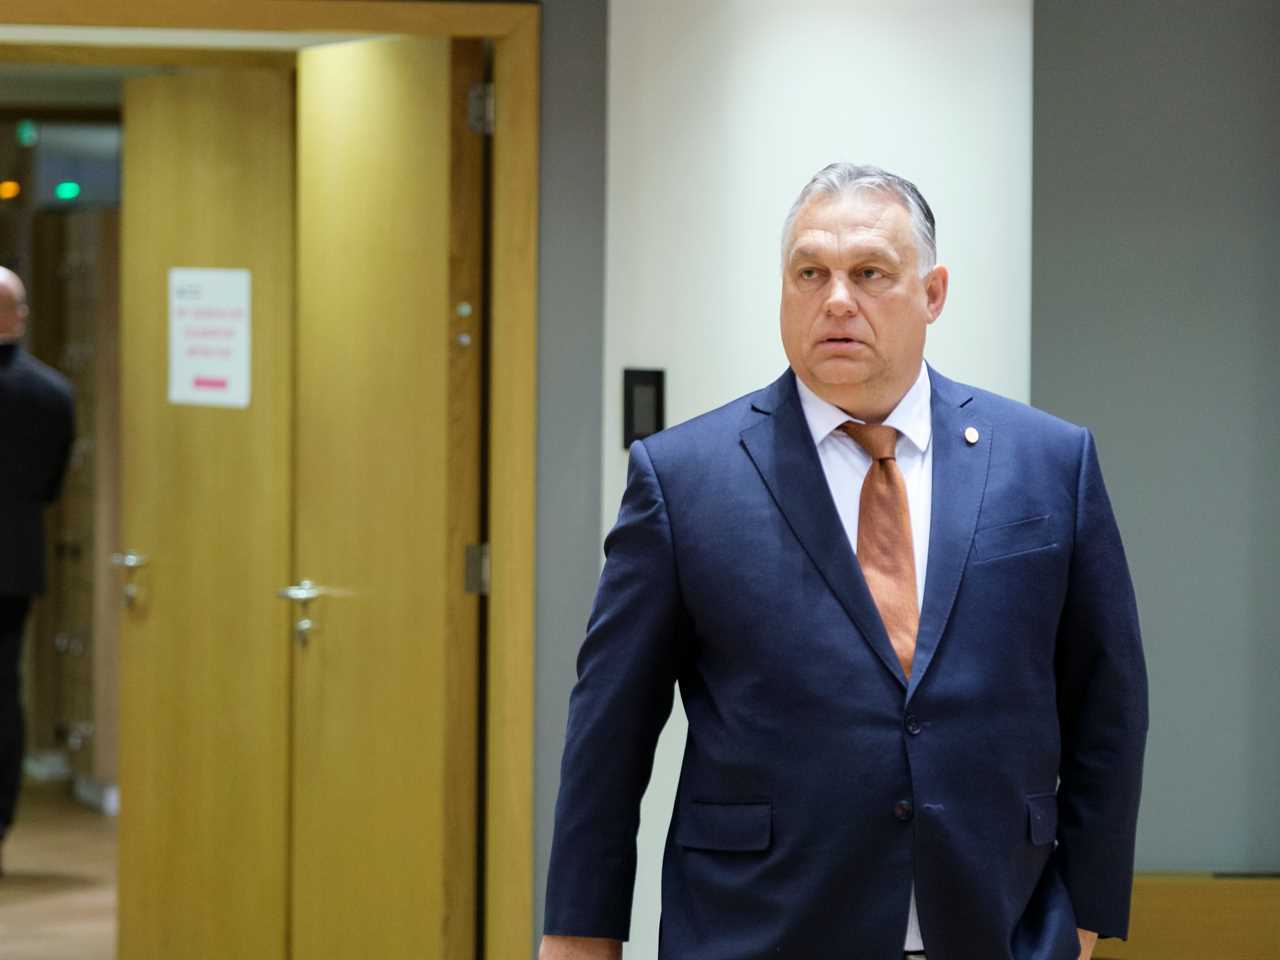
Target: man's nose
840, 299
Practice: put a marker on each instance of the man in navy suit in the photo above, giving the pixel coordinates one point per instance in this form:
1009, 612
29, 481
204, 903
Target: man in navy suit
36, 413
942, 760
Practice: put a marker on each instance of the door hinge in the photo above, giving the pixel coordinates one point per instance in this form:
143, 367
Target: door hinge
480, 108
476, 577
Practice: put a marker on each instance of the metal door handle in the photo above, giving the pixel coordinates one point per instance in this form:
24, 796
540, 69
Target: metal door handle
130, 562
302, 593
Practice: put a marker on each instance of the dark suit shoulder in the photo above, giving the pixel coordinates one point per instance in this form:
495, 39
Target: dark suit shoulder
39, 376
1025, 421
705, 435
32, 390
694, 453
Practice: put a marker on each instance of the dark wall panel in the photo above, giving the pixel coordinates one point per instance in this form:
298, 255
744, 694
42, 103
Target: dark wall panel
570, 359
1155, 291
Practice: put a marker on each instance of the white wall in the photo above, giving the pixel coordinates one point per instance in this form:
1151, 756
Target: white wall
719, 112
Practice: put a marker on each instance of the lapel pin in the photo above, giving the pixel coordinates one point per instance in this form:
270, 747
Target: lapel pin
971, 435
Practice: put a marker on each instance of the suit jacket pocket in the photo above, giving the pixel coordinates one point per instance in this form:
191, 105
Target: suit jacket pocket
1021, 536
704, 825
1042, 818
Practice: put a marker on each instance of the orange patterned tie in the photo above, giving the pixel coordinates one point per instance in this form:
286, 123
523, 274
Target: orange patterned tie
885, 551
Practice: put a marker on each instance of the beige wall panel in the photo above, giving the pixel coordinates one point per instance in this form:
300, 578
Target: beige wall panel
204, 655
1200, 917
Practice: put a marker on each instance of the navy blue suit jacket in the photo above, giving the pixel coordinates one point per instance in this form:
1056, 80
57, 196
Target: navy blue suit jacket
818, 782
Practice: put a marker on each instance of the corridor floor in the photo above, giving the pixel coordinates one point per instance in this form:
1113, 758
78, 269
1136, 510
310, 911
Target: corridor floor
58, 892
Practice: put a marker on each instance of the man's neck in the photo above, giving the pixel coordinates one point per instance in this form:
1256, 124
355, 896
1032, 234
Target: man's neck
866, 402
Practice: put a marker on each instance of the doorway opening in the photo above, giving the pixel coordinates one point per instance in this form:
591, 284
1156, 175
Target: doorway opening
76, 740
59, 231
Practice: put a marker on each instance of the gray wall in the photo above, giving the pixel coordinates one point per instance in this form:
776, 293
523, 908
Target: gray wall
1154, 289
570, 356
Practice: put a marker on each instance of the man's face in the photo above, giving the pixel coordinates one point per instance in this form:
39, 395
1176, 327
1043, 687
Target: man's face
854, 306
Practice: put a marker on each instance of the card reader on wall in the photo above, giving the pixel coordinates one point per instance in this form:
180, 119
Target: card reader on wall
642, 404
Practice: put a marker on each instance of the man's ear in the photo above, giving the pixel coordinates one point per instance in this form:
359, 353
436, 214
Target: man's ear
935, 291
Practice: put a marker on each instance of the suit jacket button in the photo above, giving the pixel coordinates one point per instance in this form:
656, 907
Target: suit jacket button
903, 810
913, 725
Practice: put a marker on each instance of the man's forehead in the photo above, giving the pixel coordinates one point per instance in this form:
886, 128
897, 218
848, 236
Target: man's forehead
859, 219
862, 210
816, 242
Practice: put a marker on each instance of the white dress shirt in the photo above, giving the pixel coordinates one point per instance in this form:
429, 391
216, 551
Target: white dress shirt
846, 464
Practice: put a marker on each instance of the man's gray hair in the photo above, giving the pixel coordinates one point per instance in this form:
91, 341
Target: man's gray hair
845, 178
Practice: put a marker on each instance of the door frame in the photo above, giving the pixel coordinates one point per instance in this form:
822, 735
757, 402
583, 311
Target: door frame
513, 250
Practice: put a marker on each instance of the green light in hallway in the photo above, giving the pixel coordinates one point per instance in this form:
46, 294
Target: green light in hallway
28, 133
67, 190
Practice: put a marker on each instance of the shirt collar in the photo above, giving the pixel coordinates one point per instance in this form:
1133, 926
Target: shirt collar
912, 416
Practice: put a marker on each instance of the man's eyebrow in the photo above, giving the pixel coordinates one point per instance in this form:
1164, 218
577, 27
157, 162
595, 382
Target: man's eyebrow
884, 250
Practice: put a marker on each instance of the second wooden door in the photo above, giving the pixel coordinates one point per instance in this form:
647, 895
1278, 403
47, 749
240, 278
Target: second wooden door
387, 495
306, 791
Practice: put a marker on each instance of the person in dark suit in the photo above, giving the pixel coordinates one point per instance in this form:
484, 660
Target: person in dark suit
36, 430
902, 624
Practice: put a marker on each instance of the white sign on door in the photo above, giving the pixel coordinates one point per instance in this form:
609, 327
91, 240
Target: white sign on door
209, 334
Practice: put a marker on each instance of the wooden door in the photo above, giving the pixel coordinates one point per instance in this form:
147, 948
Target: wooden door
387, 482
204, 652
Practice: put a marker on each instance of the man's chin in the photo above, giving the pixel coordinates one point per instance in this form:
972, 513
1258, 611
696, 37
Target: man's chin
842, 372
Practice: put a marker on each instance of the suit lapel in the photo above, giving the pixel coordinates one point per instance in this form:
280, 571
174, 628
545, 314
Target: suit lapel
959, 481
782, 449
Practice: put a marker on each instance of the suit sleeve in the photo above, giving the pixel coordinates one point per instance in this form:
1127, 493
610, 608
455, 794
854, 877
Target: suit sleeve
65, 432
627, 668
1102, 707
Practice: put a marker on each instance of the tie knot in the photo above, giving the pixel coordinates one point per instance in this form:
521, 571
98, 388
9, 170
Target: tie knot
880, 442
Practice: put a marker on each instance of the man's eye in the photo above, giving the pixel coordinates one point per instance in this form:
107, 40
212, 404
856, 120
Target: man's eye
808, 273
870, 273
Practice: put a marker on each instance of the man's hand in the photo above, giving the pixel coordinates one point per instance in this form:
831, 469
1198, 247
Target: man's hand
579, 948
1088, 940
